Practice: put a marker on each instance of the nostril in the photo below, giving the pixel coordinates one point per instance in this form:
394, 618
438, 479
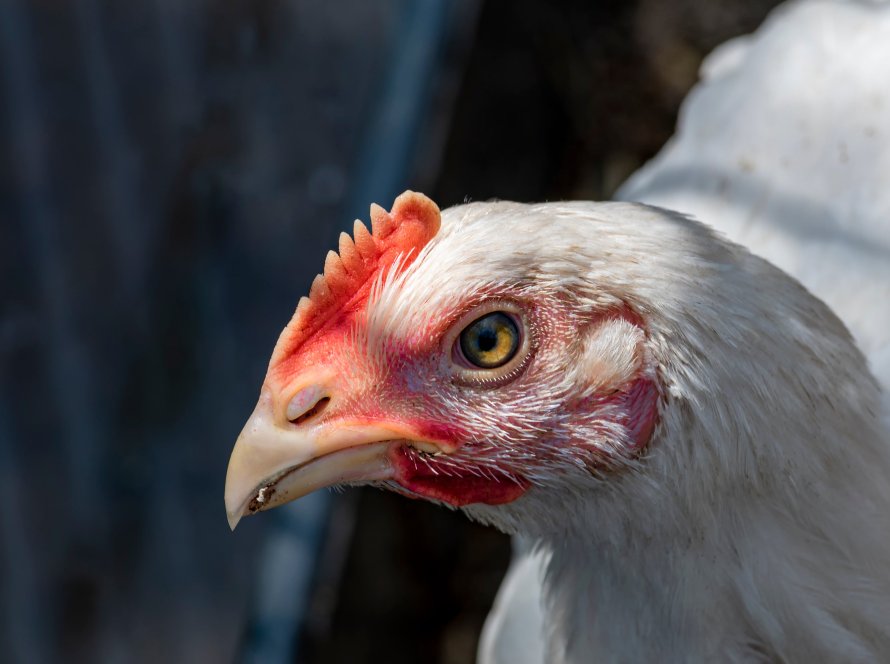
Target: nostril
312, 412
306, 404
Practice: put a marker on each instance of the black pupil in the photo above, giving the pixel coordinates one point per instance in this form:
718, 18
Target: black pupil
487, 338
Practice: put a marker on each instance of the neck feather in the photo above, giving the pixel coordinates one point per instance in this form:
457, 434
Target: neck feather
755, 579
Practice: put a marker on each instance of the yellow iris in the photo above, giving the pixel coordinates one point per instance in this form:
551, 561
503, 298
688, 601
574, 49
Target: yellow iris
490, 341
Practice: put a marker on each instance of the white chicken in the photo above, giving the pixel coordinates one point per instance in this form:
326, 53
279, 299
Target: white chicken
692, 441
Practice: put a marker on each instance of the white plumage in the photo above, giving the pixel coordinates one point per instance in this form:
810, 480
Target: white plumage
785, 148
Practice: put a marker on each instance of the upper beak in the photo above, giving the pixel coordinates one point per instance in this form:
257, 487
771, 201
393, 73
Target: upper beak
274, 461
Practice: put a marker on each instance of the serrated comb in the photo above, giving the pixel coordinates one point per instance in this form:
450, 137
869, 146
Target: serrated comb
348, 275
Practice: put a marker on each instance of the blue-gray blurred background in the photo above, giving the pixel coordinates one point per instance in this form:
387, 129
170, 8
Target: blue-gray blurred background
171, 176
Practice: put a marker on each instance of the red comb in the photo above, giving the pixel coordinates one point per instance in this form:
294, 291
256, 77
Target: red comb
404, 231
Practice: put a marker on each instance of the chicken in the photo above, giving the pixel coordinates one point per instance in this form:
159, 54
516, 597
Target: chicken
691, 437
690, 440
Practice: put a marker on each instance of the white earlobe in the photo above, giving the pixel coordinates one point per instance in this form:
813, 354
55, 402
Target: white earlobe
610, 357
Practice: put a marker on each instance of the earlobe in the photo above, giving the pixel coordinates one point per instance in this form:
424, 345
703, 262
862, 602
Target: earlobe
610, 355
615, 381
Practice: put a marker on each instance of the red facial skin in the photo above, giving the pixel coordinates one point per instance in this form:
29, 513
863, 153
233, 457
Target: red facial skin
403, 395
365, 403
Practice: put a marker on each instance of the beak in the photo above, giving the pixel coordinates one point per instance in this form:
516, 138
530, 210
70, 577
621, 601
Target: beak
275, 462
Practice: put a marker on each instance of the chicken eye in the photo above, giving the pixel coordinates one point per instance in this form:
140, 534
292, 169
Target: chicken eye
490, 341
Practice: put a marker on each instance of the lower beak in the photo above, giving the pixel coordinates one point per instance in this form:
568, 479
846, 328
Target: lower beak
273, 463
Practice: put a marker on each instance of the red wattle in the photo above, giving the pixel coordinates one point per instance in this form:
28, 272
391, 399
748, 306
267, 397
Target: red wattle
455, 489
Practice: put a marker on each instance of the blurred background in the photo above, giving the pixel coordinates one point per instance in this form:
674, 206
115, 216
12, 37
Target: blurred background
171, 176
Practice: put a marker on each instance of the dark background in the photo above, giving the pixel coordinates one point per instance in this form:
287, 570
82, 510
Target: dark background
171, 176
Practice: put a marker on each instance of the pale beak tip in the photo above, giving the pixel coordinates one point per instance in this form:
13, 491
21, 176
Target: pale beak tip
233, 519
